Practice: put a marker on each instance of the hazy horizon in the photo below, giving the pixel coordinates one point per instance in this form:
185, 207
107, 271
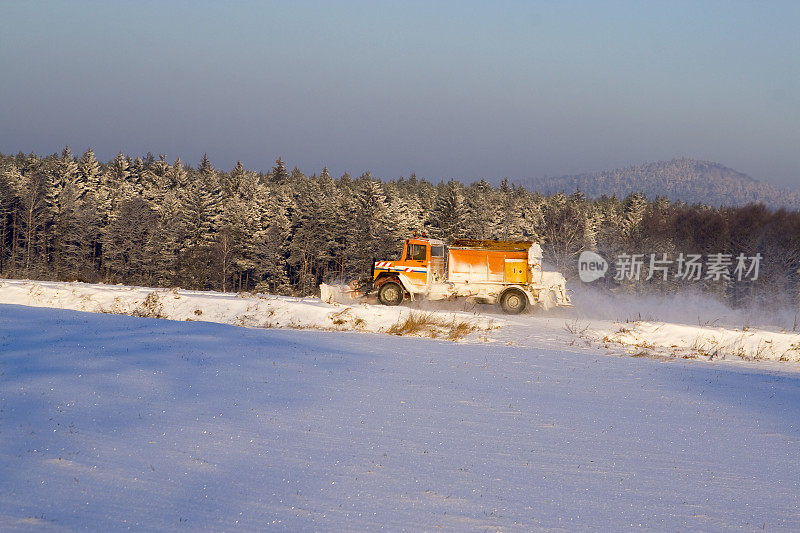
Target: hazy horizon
446, 90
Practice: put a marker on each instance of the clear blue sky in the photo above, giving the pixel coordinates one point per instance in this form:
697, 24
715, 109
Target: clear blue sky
445, 89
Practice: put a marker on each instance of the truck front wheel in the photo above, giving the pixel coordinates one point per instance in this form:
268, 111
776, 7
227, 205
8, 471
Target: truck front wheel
513, 301
390, 293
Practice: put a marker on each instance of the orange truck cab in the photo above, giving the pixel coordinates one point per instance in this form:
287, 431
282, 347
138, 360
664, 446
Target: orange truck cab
422, 263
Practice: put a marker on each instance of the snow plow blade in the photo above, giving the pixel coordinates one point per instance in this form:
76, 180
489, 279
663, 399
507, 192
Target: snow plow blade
343, 293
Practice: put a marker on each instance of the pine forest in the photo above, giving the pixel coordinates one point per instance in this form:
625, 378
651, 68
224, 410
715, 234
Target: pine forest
153, 222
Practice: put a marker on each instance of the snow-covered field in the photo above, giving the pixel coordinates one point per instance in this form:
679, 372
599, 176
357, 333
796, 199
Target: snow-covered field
111, 422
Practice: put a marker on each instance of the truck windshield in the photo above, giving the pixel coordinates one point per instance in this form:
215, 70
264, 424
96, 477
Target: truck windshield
416, 252
437, 251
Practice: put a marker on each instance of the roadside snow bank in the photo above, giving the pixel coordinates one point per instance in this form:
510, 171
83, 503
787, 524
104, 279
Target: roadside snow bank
708, 342
588, 326
248, 310
685, 324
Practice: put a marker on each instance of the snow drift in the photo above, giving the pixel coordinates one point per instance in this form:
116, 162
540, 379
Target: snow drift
239, 309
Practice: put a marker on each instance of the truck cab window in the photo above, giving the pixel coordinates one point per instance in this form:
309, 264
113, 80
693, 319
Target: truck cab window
416, 252
437, 251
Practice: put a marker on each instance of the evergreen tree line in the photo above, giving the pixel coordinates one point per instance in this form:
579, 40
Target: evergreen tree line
150, 222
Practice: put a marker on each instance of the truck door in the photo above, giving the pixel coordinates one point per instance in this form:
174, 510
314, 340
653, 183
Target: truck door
416, 263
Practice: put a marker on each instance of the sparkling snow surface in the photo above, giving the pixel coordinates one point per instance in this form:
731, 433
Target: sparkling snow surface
111, 422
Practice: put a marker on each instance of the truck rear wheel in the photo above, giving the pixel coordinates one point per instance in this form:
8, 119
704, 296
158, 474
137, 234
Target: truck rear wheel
390, 293
513, 301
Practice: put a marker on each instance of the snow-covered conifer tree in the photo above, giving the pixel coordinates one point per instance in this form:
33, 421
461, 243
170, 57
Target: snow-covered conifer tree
448, 214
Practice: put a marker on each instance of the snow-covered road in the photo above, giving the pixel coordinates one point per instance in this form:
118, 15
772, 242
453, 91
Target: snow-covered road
110, 422
667, 326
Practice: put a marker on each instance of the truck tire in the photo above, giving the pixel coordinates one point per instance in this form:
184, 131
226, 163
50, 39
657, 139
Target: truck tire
390, 293
513, 301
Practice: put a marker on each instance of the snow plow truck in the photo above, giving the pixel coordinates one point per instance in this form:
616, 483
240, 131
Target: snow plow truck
508, 272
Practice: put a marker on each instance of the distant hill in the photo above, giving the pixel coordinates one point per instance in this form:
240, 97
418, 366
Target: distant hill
687, 180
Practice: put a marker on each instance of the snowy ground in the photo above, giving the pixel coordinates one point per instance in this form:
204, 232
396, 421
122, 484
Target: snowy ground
111, 422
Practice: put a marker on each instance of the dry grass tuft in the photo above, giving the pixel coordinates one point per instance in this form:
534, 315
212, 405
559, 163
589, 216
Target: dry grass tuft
576, 327
459, 330
117, 308
431, 325
151, 307
345, 318
416, 323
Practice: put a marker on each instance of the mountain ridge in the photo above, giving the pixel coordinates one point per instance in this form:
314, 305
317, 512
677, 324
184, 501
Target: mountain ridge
681, 179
